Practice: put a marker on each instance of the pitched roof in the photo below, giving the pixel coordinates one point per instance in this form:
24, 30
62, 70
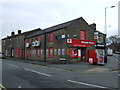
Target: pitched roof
53, 28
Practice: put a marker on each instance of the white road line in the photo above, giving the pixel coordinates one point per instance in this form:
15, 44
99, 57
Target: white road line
19, 86
86, 84
118, 74
38, 72
117, 60
13, 65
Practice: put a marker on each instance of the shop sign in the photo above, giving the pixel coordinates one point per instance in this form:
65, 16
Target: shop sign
87, 42
99, 45
69, 41
78, 45
80, 42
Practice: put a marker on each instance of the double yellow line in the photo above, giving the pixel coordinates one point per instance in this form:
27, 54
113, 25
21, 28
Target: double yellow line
2, 87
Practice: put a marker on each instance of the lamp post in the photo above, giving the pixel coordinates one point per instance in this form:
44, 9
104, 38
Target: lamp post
106, 19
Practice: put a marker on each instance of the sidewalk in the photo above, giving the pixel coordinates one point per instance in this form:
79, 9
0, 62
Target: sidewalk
81, 66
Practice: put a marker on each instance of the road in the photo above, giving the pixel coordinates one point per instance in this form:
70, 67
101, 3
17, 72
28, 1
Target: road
117, 56
17, 74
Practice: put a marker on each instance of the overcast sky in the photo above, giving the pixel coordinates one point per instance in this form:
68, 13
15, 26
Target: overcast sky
30, 14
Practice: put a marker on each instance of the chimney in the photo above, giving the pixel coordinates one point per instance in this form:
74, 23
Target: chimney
93, 26
19, 31
12, 33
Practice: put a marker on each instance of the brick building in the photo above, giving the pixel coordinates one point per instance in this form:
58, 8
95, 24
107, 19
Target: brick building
68, 42
13, 46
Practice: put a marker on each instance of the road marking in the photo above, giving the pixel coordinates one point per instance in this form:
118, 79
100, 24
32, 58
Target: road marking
38, 72
86, 84
13, 65
117, 60
19, 86
97, 69
2, 87
118, 74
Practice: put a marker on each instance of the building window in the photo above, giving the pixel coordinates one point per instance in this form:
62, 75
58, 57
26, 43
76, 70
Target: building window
55, 51
27, 52
47, 52
16, 51
59, 51
82, 34
3, 42
10, 40
73, 52
51, 37
100, 39
6, 52
30, 54
38, 38
63, 51
41, 51
30, 40
17, 41
100, 52
51, 52
38, 52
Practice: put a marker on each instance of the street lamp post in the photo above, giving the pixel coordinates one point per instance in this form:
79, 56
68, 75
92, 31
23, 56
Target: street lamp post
106, 19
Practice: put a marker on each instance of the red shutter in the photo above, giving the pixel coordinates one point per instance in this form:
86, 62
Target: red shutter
51, 37
82, 35
38, 38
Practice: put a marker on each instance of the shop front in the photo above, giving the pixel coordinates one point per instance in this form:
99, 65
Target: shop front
78, 48
100, 50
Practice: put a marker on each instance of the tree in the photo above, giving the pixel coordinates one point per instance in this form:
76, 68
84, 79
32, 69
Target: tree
114, 42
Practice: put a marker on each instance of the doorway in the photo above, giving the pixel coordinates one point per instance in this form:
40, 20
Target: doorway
82, 54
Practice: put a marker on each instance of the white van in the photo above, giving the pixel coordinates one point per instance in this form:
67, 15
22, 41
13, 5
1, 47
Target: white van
110, 52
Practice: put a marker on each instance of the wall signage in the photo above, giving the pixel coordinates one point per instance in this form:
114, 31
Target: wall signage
69, 41
80, 43
99, 45
87, 42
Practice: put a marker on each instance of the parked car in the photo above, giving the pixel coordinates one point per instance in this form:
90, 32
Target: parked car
117, 52
1, 55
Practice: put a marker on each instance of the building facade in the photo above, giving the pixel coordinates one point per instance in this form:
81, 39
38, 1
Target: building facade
69, 42
13, 46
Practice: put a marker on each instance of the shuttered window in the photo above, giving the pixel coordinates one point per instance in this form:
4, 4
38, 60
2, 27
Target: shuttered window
51, 37
51, 52
38, 52
38, 38
82, 34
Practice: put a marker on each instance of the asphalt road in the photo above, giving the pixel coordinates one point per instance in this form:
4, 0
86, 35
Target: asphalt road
17, 74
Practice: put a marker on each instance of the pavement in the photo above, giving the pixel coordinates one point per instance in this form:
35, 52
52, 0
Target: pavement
111, 65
